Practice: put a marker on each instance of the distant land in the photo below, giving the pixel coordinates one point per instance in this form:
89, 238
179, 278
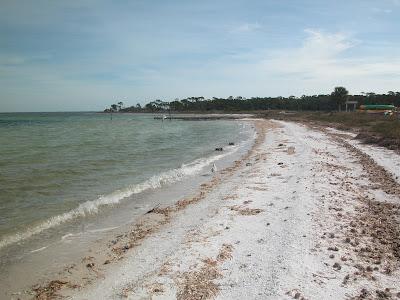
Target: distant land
323, 102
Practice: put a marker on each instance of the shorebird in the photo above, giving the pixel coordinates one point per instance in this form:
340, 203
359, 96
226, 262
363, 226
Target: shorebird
214, 168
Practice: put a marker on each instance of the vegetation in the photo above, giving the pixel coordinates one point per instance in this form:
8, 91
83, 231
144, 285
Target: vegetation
321, 103
321, 109
339, 96
371, 128
115, 107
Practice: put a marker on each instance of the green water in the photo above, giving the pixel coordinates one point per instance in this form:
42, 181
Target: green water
56, 167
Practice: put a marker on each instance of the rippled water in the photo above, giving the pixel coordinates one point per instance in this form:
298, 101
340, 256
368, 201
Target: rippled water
56, 167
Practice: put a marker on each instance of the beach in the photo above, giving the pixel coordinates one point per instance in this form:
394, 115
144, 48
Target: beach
199, 150
306, 213
72, 181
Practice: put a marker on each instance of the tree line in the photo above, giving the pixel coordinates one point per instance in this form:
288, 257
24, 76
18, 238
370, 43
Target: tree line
322, 102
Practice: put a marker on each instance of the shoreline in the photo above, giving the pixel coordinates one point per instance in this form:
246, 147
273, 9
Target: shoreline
129, 238
190, 116
79, 266
305, 214
272, 230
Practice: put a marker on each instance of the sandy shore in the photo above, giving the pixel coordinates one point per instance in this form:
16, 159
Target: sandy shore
307, 214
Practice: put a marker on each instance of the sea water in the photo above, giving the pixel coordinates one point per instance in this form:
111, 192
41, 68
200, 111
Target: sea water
62, 172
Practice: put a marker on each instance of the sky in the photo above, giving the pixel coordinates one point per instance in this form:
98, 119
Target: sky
85, 55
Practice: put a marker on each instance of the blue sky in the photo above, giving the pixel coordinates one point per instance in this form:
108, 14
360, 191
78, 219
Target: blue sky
85, 55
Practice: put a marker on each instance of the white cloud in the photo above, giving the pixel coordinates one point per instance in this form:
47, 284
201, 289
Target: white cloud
323, 55
381, 10
246, 28
326, 45
321, 62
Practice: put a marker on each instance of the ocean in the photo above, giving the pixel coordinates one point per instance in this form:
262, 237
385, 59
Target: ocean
61, 172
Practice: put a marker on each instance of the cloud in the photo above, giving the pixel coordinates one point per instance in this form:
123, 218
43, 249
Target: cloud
95, 51
246, 28
381, 10
320, 62
326, 45
323, 55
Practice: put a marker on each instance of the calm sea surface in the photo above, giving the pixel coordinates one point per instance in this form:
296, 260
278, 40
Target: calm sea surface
59, 167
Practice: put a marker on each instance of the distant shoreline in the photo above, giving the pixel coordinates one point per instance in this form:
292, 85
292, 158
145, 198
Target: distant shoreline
195, 116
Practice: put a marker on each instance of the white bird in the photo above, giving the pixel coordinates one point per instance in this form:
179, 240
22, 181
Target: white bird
214, 168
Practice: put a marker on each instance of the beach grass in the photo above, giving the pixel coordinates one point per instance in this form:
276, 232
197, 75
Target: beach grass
373, 128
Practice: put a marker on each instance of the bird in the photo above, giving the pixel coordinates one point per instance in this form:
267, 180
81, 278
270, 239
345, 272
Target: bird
214, 168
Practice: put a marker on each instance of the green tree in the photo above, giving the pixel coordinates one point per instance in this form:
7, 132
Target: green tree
339, 96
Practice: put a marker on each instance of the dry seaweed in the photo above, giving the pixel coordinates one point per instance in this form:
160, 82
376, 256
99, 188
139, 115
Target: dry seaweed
50, 290
245, 211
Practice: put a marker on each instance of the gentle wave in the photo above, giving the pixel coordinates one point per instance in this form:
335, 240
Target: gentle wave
102, 229
93, 206
69, 236
38, 250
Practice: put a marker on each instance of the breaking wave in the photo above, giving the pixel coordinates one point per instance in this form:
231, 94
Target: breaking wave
93, 206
